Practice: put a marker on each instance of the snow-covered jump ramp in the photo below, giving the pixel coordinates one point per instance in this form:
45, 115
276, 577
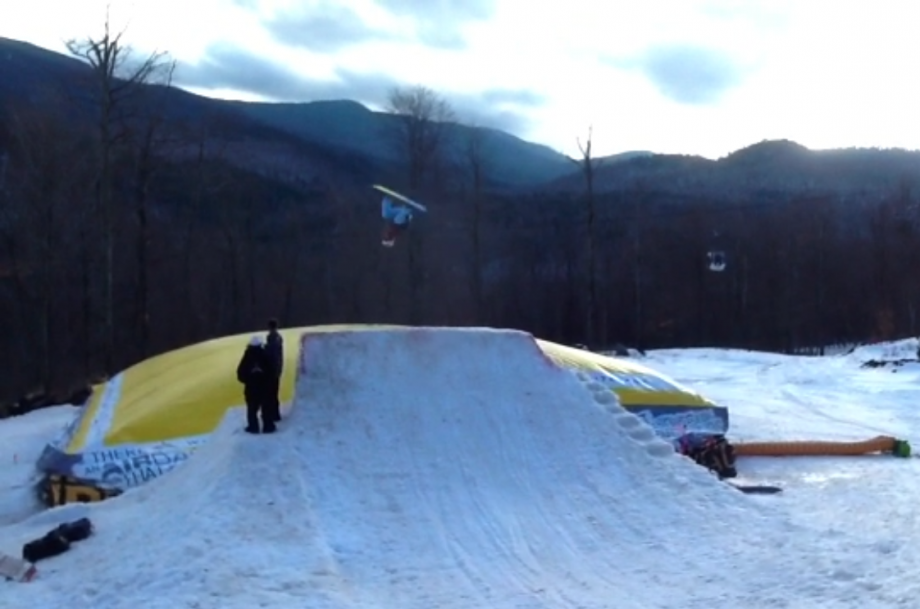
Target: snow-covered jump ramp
407, 478
493, 478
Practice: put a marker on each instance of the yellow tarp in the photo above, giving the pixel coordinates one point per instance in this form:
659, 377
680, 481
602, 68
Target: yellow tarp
186, 392
635, 384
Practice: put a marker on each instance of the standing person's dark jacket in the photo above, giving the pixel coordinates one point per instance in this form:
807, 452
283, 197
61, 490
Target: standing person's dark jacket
274, 344
255, 372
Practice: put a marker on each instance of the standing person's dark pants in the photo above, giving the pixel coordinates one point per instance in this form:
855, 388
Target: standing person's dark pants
272, 401
258, 405
274, 345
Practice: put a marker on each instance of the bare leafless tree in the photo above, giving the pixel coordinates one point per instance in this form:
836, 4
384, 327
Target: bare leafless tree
588, 165
421, 136
147, 137
475, 155
117, 78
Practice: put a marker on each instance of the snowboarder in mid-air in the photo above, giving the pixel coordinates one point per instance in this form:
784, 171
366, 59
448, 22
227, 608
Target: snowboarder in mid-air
396, 210
396, 218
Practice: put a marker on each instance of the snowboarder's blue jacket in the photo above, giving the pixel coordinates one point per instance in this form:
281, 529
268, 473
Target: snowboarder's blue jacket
397, 214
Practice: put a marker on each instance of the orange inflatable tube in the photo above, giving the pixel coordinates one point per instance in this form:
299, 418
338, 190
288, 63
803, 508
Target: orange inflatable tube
879, 444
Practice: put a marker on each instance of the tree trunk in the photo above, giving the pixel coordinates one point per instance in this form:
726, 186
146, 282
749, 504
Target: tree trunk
637, 278
143, 258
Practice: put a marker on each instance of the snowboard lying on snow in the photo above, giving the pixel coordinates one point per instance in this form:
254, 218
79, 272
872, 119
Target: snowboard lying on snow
16, 569
756, 489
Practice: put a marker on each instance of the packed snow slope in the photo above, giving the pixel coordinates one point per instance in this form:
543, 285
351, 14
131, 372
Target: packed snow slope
21, 443
405, 478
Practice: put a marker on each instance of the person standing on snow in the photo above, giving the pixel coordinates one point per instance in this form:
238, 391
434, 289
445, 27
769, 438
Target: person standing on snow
274, 345
255, 373
396, 219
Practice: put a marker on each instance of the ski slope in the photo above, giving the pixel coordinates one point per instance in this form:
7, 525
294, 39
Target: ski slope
460, 468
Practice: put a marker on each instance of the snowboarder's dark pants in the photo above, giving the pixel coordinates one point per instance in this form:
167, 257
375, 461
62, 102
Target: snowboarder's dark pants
256, 405
391, 230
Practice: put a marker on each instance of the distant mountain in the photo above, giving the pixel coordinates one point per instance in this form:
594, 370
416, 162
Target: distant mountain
770, 165
31, 76
623, 156
342, 139
30, 73
350, 125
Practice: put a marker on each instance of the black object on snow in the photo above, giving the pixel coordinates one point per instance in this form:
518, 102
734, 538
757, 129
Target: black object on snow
57, 541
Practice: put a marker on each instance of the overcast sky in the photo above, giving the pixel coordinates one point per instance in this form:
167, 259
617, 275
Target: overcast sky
674, 76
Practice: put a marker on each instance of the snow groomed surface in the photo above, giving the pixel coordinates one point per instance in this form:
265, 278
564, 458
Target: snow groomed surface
151, 417
402, 479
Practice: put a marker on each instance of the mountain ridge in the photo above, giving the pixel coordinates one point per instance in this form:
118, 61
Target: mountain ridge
346, 134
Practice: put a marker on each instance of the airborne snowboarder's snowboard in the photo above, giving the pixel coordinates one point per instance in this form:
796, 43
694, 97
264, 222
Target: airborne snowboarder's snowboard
401, 198
396, 212
16, 569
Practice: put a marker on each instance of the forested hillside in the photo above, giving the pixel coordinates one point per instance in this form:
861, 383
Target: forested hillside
136, 217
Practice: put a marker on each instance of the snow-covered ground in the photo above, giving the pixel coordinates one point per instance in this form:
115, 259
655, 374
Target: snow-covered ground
495, 480
21, 442
870, 500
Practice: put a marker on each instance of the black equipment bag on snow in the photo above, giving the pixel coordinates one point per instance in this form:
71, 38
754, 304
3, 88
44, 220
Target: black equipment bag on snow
52, 544
78, 530
58, 540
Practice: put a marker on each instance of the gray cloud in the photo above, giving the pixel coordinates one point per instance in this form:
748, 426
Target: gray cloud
328, 28
226, 66
763, 14
440, 23
685, 73
439, 37
520, 97
435, 10
489, 108
475, 109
